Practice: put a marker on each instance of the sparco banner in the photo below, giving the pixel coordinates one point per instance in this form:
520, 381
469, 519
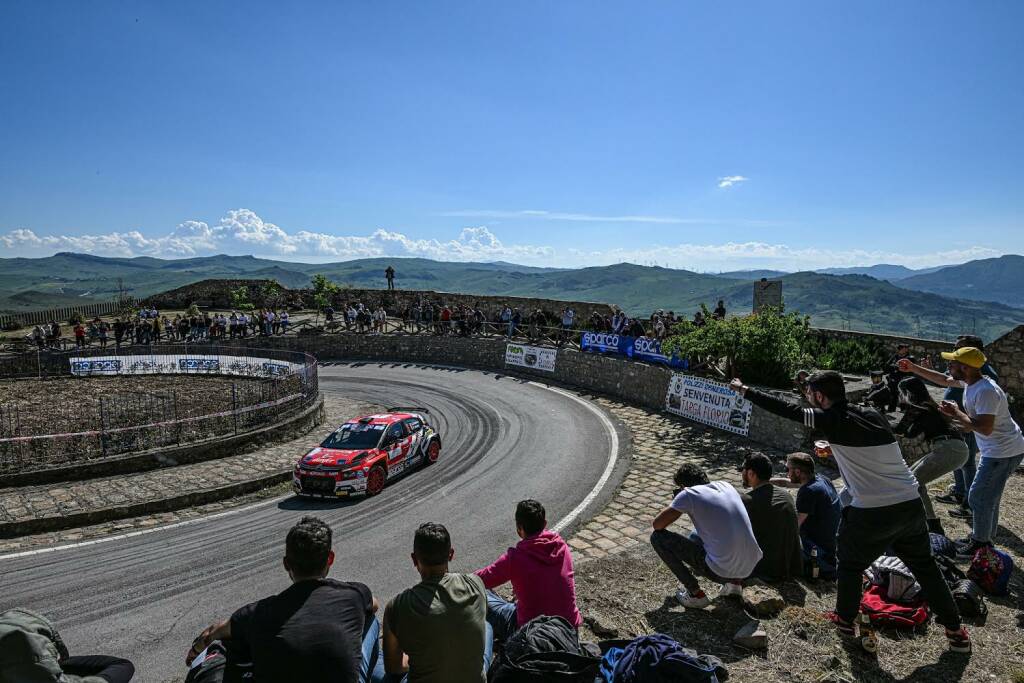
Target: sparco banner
641, 348
708, 402
534, 357
185, 364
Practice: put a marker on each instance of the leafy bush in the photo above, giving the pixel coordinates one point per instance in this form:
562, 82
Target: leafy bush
240, 299
857, 356
765, 349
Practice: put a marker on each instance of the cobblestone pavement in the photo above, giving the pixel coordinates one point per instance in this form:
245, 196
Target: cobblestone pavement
29, 502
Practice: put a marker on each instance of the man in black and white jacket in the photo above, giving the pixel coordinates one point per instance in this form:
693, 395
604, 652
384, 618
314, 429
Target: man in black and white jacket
885, 509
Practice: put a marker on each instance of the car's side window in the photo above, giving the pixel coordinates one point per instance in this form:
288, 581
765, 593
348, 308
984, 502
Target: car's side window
395, 432
413, 425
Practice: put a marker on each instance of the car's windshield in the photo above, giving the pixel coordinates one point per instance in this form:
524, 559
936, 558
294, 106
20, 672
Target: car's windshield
354, 436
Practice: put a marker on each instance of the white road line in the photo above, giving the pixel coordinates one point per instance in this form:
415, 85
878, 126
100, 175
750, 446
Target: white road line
561, 524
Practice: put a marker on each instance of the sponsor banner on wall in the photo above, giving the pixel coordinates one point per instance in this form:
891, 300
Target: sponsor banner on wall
708, 402
641, 348
182, 364
533, 357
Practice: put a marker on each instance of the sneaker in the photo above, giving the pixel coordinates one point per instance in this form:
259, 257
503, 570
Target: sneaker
965, 551
844, 627
959, 641
961, 512
699, 601
731, 590
951, 497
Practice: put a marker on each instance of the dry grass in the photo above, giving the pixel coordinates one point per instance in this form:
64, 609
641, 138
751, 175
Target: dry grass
631, 594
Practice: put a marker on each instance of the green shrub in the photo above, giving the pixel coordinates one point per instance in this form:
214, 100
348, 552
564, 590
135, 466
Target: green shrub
857, 356
765, 349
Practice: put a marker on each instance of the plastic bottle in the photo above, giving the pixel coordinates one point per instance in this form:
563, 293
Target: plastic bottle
868, 639
814, 563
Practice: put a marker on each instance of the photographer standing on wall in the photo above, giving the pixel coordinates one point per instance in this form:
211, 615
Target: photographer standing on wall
885, 513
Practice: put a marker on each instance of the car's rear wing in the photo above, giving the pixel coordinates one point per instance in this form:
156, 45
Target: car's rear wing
408, 409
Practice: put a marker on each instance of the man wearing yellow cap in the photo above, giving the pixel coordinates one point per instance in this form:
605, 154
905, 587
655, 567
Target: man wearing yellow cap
986, 413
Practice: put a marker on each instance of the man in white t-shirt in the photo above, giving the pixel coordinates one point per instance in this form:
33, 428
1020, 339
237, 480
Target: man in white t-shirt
722, 546
986, 413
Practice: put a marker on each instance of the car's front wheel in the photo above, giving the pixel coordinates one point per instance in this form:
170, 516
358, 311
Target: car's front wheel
433, 451
375, 479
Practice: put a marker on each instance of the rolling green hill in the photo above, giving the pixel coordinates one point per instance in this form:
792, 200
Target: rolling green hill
992, 279
846, 301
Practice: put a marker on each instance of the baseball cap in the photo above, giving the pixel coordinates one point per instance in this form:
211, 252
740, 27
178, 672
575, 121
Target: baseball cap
968, 355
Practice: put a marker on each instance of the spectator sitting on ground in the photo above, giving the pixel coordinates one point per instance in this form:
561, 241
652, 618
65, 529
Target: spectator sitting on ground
31, 649
773, 519
817, 512
436, 631
879, 396
885, 512
541, 572
722, 546
894, 375
318, 629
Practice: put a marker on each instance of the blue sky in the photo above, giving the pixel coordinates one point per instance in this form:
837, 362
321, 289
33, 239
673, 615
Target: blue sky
568, 133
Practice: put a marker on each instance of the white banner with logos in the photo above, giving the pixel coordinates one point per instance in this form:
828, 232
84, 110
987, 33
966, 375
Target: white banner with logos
183, 364
533, 357
708, 402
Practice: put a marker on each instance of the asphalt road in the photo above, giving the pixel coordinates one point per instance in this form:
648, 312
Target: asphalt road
145, 597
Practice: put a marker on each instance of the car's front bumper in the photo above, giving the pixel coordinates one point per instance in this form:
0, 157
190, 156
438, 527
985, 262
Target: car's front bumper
319, 485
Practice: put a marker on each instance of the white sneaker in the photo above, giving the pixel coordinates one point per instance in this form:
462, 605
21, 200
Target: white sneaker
687, 600
731, 590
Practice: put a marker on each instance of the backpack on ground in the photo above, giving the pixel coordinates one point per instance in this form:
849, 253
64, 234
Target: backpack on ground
883, 612
545, 649
941, 545
658, 658
970, 599
991, 569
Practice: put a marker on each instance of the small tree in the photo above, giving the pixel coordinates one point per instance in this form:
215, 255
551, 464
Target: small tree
270, 294
193, 310
766, 348
323, 293
240, 299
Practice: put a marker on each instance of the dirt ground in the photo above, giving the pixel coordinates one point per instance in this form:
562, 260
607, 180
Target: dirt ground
631, 594
57, 405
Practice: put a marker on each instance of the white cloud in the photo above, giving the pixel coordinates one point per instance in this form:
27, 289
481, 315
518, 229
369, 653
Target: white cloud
242, 231
730, 180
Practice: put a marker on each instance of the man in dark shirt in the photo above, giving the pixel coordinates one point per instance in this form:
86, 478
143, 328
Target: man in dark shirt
316, 630
885, 512
773, 519
817, 512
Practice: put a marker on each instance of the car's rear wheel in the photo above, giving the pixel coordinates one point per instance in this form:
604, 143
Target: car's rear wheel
375, 479
433, 451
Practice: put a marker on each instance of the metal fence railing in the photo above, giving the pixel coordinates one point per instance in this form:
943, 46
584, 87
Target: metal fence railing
255, 388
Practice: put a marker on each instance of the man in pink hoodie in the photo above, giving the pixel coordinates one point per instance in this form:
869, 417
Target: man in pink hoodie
540, 569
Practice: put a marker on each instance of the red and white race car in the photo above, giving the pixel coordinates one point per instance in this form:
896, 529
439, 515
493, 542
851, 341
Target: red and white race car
363, 454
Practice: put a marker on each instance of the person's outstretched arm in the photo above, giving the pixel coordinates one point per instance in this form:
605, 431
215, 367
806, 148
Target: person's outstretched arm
498, 573
933, 376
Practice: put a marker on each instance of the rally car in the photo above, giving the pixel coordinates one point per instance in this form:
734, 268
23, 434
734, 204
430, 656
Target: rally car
365, 453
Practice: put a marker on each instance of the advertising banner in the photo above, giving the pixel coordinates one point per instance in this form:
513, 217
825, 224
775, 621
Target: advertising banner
708, 402
640, 348
533, 357
182, 364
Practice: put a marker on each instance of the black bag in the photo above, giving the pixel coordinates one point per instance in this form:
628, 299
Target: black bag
212, 668
546, 649
970, 599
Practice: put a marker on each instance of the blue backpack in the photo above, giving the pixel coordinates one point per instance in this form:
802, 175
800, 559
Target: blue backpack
659, 659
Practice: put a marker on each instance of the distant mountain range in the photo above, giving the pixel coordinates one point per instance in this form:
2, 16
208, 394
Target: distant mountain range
924, 303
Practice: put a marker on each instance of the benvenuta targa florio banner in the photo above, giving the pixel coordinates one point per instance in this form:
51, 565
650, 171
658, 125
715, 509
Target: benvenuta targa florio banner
535, 357
708, 402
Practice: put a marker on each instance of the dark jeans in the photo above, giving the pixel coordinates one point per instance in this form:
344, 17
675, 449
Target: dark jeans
685, 557
110, 669
866, 533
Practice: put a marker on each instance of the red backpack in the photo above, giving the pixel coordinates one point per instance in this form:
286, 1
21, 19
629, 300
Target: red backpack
883, 612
